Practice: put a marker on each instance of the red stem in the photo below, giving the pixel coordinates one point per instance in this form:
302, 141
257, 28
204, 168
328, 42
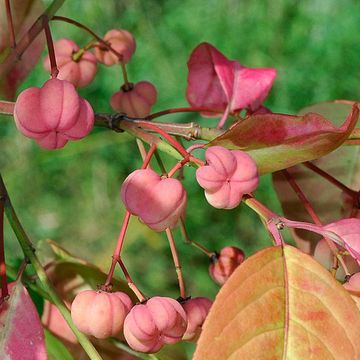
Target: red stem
314, 216
331, 179
54, 70
176, 262
148, 156
29, 37
181, 110
81, 26
130, 282
10, 24
118, 248
302, 197
164, 134
4, 287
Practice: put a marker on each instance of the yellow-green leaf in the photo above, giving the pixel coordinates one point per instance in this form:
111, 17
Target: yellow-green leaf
281, 304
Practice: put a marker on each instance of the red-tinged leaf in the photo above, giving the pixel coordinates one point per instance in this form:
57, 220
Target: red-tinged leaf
329, 202
24, 13
218, 83
277, 141
281, 304
349, 231
22, 335
210, 78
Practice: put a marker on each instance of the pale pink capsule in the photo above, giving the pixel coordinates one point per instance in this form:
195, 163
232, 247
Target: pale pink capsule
100, 313
122, 41
225, 263
80, 72
137, 101
150, 326
53, 114
158, 202
228, 175
196, 311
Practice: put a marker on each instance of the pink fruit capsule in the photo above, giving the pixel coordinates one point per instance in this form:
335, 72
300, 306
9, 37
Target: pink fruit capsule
158, 202
53, 114
120, 40
100, 313
228, 175
225, 263
353, 287
196, 311
137, 101
80, 72
150, 326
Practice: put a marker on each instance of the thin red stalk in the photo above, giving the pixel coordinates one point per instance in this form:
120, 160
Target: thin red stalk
125, 76
81, 26
54, 70
181, 110
118, 248
7, 107
311, 211
130, 282
4, 287
164, 134
29, 37
176, 262
308, 207
178, 166
331, 179
10, 24
148, 156
193, 242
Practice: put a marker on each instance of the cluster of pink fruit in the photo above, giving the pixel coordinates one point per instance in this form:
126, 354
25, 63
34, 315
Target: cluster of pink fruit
160, 202
55, 113
147, 326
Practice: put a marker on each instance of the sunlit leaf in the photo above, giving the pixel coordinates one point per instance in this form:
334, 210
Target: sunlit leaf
22, 335
277, 141
281, 304
329, 202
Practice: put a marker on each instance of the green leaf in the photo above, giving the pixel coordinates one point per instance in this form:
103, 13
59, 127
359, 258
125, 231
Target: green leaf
281, 304
56, 350
277, 141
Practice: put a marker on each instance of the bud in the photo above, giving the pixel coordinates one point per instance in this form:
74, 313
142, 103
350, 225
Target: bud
228, 175
196, 311
53, 114
135, 102
158, 202
225, 263
100, 313
150, 326
80, 72
120, 40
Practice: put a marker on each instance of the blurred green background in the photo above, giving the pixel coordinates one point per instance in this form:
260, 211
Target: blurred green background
72, 195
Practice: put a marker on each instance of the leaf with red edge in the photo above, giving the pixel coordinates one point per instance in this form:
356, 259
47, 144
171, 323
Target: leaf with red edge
281, 304
24, 13
22, 335
329, 202
277, 141
217, 83
349, 231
